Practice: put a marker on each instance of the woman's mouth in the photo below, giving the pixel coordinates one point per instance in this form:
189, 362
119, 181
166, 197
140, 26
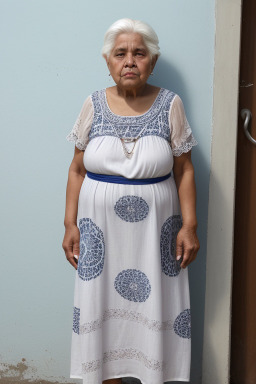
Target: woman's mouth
130, 74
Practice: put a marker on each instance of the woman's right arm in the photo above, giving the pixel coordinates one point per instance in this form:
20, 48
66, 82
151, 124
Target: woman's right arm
76, 176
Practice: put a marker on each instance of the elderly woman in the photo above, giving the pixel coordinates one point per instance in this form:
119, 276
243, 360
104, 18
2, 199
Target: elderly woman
131, 221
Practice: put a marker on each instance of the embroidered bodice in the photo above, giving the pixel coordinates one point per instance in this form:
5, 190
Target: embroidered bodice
166, 118
153, 122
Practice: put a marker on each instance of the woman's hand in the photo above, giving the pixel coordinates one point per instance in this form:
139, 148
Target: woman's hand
71, 244
187, 245
76, 176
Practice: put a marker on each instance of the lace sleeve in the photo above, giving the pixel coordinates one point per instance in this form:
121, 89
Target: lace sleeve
80, 131
182, 139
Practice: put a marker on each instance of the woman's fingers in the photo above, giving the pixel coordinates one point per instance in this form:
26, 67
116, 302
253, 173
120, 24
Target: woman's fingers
188, 242
71, 245
70, 257
76, 252
68, 248
179, 248
188, 257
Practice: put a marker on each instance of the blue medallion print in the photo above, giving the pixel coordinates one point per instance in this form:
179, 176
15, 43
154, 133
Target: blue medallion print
76, 320
182, 324
169, 231
131, 208
133, 285
92, 250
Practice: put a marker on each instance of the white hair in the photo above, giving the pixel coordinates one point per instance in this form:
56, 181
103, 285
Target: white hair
131, 26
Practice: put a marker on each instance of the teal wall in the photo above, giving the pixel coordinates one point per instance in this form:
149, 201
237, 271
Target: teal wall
50, 62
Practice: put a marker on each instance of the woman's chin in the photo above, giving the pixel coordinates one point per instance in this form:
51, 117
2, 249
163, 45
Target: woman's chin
131, 83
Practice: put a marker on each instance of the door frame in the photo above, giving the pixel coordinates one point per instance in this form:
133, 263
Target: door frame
219, 259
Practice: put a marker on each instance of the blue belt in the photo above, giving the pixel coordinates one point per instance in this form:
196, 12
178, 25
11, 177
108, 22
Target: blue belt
125, 180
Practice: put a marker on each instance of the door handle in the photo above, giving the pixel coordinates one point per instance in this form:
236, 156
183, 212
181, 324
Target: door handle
246, 116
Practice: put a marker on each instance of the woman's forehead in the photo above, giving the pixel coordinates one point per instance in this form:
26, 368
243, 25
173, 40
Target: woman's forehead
125, 40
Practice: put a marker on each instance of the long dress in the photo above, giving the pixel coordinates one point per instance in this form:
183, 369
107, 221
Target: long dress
131, 302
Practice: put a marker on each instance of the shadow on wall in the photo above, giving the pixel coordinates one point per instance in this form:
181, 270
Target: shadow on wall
167, 76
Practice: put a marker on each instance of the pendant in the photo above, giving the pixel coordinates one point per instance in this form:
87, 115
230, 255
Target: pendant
126, 152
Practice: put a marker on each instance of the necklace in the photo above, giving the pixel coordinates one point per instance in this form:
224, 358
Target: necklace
124, 140
128, 140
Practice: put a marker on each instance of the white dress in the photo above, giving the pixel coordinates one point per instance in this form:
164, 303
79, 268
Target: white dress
131, 301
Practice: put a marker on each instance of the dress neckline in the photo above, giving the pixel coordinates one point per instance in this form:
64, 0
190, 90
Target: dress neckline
148, 112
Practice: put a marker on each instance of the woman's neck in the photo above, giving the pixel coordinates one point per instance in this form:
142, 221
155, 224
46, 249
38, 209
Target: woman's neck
132, 93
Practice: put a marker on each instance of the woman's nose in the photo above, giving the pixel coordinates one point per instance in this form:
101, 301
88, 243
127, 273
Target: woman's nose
129, 60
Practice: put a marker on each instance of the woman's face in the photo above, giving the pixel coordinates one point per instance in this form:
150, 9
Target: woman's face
129, 62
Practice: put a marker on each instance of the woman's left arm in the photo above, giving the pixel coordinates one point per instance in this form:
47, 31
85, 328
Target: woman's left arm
187, 244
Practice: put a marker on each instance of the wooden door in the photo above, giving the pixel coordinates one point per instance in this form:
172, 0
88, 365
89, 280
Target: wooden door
243, 327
